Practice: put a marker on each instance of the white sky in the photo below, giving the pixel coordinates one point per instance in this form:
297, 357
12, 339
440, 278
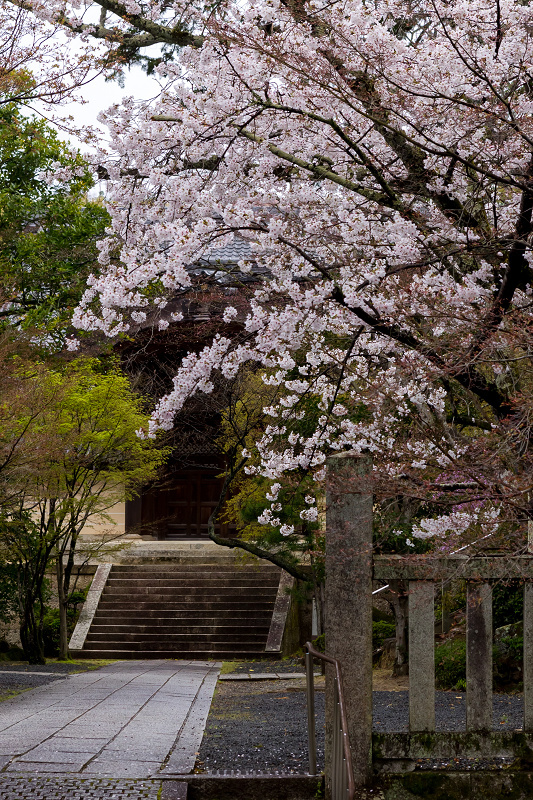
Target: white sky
100, 95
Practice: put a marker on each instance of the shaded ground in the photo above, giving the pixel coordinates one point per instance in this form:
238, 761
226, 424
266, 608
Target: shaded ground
260, 726
18, 676
263, 726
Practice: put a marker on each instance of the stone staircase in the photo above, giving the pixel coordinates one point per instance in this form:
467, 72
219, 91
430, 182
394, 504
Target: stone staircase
196, 610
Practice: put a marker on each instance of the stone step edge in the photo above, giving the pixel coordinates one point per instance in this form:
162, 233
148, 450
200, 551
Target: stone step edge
193, 655
265, 676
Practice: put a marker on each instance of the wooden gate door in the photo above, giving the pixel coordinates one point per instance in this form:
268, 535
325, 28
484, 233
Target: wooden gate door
190, 502
180, 508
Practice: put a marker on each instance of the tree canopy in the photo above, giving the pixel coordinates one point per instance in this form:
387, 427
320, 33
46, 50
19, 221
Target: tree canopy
48, 227
70, 451
378, 157
34, 67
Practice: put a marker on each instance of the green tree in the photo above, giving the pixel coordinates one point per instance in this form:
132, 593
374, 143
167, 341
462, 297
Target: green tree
277, 519
48, 227
88, 458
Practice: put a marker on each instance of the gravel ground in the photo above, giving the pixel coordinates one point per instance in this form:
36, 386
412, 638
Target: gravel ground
391, 711
263, 726
260, 726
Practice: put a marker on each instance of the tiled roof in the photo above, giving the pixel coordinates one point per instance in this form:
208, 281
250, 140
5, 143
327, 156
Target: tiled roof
227, 257
231, 253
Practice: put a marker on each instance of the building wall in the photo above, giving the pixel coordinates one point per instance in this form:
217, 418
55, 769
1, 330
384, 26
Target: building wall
116, 526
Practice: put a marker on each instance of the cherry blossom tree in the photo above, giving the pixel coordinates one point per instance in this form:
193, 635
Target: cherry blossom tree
378, 157
35, 65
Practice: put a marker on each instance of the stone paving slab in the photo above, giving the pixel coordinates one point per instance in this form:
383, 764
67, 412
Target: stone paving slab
126, 720
182, 758
264, 676
123, 769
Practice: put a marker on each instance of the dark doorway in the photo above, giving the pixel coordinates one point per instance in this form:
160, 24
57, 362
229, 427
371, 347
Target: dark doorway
179, 507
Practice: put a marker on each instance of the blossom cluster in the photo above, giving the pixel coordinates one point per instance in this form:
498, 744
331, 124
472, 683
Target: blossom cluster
381, 174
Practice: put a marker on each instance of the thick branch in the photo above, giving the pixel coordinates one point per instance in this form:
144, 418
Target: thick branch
292, 569
154, 33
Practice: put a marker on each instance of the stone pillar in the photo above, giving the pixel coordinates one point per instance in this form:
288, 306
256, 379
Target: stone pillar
421, 656
478, 656
348, 604
528, 640
528, 657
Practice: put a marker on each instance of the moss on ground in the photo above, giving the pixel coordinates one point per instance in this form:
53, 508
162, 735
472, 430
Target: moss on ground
229, 666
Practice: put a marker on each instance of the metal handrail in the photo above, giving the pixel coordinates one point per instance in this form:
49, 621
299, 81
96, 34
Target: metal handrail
311, 727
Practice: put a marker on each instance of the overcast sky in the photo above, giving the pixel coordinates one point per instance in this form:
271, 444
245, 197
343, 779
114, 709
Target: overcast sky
100, 94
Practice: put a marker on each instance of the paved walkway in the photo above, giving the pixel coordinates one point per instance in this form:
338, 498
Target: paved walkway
134, 720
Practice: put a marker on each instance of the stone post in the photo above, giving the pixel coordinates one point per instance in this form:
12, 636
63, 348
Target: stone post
348, 604
528, 641
478, 656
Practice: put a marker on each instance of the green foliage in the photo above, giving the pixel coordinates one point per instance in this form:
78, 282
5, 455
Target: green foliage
51, 632
51, 625
48, 228
28, 549
507, 603
10, 652
450, 664
507, 655
77, 453
380, 631
87, 428
8, 592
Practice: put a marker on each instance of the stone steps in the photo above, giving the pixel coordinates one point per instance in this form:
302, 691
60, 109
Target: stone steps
186, 616
183, 611
179, 591
202, 655
177, 629
183, 640
183, 604
191, 583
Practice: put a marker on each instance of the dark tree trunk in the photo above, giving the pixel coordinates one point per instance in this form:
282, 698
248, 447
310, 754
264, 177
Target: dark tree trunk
62, 598
31, 633
64, 574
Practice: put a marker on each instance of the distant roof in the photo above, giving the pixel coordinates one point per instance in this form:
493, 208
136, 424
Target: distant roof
228, 257
236, 250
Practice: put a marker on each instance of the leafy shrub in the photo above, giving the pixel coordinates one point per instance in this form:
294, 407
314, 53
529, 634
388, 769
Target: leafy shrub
507, 603
450, 664
14, 654
51, 622
380, 631
51, 632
